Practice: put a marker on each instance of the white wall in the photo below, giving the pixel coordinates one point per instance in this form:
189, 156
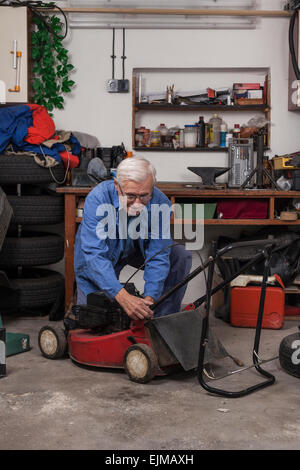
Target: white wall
91, 109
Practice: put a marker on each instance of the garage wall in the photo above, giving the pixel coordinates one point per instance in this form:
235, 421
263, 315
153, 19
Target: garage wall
108, 116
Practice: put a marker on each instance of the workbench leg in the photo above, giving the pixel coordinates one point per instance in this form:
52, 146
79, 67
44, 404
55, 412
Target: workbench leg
70, 230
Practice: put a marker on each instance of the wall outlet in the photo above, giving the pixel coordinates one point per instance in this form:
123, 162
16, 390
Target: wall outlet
117, 86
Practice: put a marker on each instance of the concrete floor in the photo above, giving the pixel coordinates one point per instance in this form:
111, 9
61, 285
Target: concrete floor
59, 405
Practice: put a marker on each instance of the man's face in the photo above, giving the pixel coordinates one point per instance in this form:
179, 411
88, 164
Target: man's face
137, 194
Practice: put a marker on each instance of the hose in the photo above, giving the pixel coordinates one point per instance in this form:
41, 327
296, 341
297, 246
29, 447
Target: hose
292, 46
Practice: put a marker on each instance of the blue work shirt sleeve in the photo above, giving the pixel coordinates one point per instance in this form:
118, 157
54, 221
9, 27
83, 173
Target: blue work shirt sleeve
98, 223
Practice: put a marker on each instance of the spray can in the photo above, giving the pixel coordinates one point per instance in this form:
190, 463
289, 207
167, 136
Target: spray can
223, 134
236, 131
229, 137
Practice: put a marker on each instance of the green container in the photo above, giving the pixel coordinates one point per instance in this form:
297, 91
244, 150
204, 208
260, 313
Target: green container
16, 342
209, 211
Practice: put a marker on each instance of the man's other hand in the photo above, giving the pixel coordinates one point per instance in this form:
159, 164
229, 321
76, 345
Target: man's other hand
135, 307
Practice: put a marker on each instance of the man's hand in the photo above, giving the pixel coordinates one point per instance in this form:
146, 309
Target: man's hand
149, 299
135, 307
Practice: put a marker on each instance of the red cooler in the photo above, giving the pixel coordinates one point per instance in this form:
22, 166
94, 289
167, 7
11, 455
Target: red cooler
245, 305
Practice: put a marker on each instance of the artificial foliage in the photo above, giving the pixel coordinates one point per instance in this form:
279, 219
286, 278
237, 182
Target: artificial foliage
51, 66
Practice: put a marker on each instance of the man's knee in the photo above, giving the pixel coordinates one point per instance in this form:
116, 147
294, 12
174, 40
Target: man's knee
181, 257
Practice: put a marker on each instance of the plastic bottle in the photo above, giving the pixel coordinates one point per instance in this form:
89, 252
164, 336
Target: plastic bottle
215, 128
223, 134
201, 132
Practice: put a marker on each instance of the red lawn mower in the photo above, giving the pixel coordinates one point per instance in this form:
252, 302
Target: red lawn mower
100, 334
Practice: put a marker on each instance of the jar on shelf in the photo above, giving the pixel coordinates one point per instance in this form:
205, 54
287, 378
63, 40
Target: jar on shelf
164, 133
173, 137
146, 137
146, 141
139, 138
190, 136
155, 139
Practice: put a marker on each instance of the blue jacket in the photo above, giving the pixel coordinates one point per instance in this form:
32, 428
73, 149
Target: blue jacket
14, 123
97, 254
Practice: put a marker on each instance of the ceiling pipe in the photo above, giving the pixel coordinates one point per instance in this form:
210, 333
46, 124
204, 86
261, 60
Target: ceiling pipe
178, 11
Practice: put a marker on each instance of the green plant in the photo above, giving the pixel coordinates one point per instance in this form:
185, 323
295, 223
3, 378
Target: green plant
51, 67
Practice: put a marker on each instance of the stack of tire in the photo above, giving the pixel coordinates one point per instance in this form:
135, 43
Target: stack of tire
27, 245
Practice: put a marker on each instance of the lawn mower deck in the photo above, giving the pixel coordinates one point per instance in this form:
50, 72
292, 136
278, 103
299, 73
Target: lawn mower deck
92, 348
130, 349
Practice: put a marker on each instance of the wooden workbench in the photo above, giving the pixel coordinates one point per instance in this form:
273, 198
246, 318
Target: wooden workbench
175, 191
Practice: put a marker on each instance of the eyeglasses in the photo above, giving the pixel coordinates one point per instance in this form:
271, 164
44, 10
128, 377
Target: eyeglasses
144, 198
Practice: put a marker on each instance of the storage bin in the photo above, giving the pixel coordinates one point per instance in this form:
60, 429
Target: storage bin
243, 209
244, 307
209, 210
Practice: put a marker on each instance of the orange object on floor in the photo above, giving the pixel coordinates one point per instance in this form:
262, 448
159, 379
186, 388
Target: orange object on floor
245, 305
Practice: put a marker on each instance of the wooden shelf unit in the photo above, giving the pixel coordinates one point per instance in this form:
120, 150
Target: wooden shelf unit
156, 107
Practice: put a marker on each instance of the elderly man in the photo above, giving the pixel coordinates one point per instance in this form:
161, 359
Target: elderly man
123, 225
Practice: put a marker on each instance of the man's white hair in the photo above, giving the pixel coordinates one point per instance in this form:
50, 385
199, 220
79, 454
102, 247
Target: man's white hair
135, 169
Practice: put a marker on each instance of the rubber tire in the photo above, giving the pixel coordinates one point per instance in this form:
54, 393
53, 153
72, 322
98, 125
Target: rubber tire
22, 169
37, 288
37, 210
56, 334
286, 352
32, 249
150, 365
